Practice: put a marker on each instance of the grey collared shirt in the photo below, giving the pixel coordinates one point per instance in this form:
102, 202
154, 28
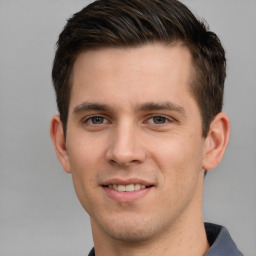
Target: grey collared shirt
220, 241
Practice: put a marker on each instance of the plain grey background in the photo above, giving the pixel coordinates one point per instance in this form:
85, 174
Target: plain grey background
39, 212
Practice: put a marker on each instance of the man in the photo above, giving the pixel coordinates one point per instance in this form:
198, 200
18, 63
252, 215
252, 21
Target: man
139, 87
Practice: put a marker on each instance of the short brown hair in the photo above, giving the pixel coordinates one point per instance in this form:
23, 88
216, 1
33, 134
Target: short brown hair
127, 23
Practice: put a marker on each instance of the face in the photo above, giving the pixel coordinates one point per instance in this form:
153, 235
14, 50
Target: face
134, 140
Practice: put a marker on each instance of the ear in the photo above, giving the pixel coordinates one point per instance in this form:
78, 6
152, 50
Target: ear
216, 141
59, 142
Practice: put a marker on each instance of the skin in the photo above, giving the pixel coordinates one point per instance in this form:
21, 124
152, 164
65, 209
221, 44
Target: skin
132, 116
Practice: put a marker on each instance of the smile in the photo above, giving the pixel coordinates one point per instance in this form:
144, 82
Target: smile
127, 188
126, 191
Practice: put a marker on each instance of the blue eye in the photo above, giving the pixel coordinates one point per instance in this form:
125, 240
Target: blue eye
158, 120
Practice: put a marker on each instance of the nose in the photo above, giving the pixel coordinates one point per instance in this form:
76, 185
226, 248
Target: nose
125, 147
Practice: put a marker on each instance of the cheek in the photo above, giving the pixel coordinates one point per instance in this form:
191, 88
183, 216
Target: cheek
180, 164
180, 161
84, 163
179, 150
84, 153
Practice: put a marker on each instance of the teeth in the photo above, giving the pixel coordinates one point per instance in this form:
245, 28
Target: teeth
121, 188
127, 188
137, 187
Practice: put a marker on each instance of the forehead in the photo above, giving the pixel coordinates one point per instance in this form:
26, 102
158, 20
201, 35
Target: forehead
153, 72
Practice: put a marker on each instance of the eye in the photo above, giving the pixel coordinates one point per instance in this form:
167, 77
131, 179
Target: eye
158, 120
95, 120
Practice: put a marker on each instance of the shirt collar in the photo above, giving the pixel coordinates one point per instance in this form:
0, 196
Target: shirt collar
220, 241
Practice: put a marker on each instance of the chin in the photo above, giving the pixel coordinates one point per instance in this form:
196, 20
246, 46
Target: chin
130, 235
132, 229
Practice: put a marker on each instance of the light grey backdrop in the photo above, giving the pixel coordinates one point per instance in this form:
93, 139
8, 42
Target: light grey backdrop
39, 212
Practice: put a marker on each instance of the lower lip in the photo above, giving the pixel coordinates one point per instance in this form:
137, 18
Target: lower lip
126, 196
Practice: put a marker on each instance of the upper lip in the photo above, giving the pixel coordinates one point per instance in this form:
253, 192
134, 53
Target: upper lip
119, 181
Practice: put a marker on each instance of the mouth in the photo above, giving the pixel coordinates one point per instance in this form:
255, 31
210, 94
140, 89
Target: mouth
128, 190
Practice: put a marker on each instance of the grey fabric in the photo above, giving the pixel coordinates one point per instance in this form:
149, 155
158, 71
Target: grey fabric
219, 239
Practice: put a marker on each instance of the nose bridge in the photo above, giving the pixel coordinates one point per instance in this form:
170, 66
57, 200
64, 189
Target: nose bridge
125, 147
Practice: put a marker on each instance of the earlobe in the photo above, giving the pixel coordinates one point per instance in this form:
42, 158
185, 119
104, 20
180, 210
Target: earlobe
58, 139
216, 141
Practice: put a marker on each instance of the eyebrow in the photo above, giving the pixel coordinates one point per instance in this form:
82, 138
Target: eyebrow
86, 106
152, 106
148, 106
